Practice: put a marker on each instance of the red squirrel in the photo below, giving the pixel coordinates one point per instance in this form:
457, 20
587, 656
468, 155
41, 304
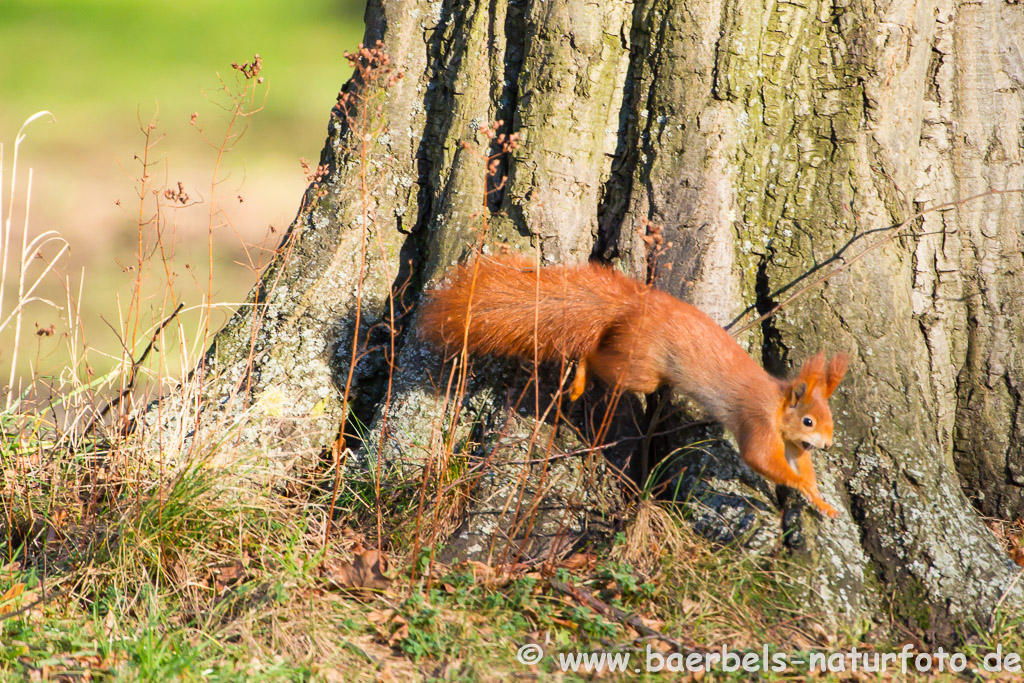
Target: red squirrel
638, 338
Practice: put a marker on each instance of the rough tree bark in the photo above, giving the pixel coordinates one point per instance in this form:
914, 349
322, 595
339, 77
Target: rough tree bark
767, 138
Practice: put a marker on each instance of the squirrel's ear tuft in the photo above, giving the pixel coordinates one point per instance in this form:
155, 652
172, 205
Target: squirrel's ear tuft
813, 370
797, 390
836, 369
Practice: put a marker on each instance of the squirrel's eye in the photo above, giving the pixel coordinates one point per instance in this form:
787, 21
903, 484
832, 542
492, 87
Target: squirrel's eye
808, 422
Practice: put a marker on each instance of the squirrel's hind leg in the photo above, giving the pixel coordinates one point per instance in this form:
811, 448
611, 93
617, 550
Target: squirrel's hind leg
579, 381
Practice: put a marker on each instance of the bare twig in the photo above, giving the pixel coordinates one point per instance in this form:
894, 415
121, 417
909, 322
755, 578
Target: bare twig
1002, 598
136, 364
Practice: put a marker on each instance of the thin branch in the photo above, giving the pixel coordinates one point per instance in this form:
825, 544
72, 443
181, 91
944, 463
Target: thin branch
631, 620
116, 401
1002, 598
896, 231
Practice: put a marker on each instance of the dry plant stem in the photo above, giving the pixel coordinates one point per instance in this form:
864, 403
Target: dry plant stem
473, 475
238, 112
602, 431
44, 597
576, 494
364, 209
519, 521
386, 408
896, 231
134, 309
353, 359
645, 450
526, 521
483, 213
166, 259
1002, 599
556, 400
434, 438
136, 364
490, 168
29, 249
524, 473
75, 328
469, 478
371, 65
260, 312
613, 402
461, 367
21, 276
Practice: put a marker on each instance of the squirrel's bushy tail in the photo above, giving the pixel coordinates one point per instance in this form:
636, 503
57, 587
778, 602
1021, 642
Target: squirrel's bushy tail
513, 309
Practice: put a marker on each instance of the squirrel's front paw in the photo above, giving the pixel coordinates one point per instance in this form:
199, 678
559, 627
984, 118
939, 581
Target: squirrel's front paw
826, 509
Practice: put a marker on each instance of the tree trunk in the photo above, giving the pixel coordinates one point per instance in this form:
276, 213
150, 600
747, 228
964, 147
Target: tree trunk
769, 140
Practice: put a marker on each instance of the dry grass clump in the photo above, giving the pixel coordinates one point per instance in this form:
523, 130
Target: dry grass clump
654, 531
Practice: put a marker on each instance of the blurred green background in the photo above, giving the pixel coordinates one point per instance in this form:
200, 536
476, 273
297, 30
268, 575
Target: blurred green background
101, 67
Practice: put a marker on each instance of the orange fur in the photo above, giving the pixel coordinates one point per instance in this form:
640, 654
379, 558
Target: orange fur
637, 338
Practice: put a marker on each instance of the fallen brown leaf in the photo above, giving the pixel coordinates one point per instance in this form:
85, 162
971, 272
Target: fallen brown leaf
656, 624
227, 575
391, 626
7, 599
384, 675
689, 606
580, 562
365, 571
380, 616
400, 633
497, 576
1017, 550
